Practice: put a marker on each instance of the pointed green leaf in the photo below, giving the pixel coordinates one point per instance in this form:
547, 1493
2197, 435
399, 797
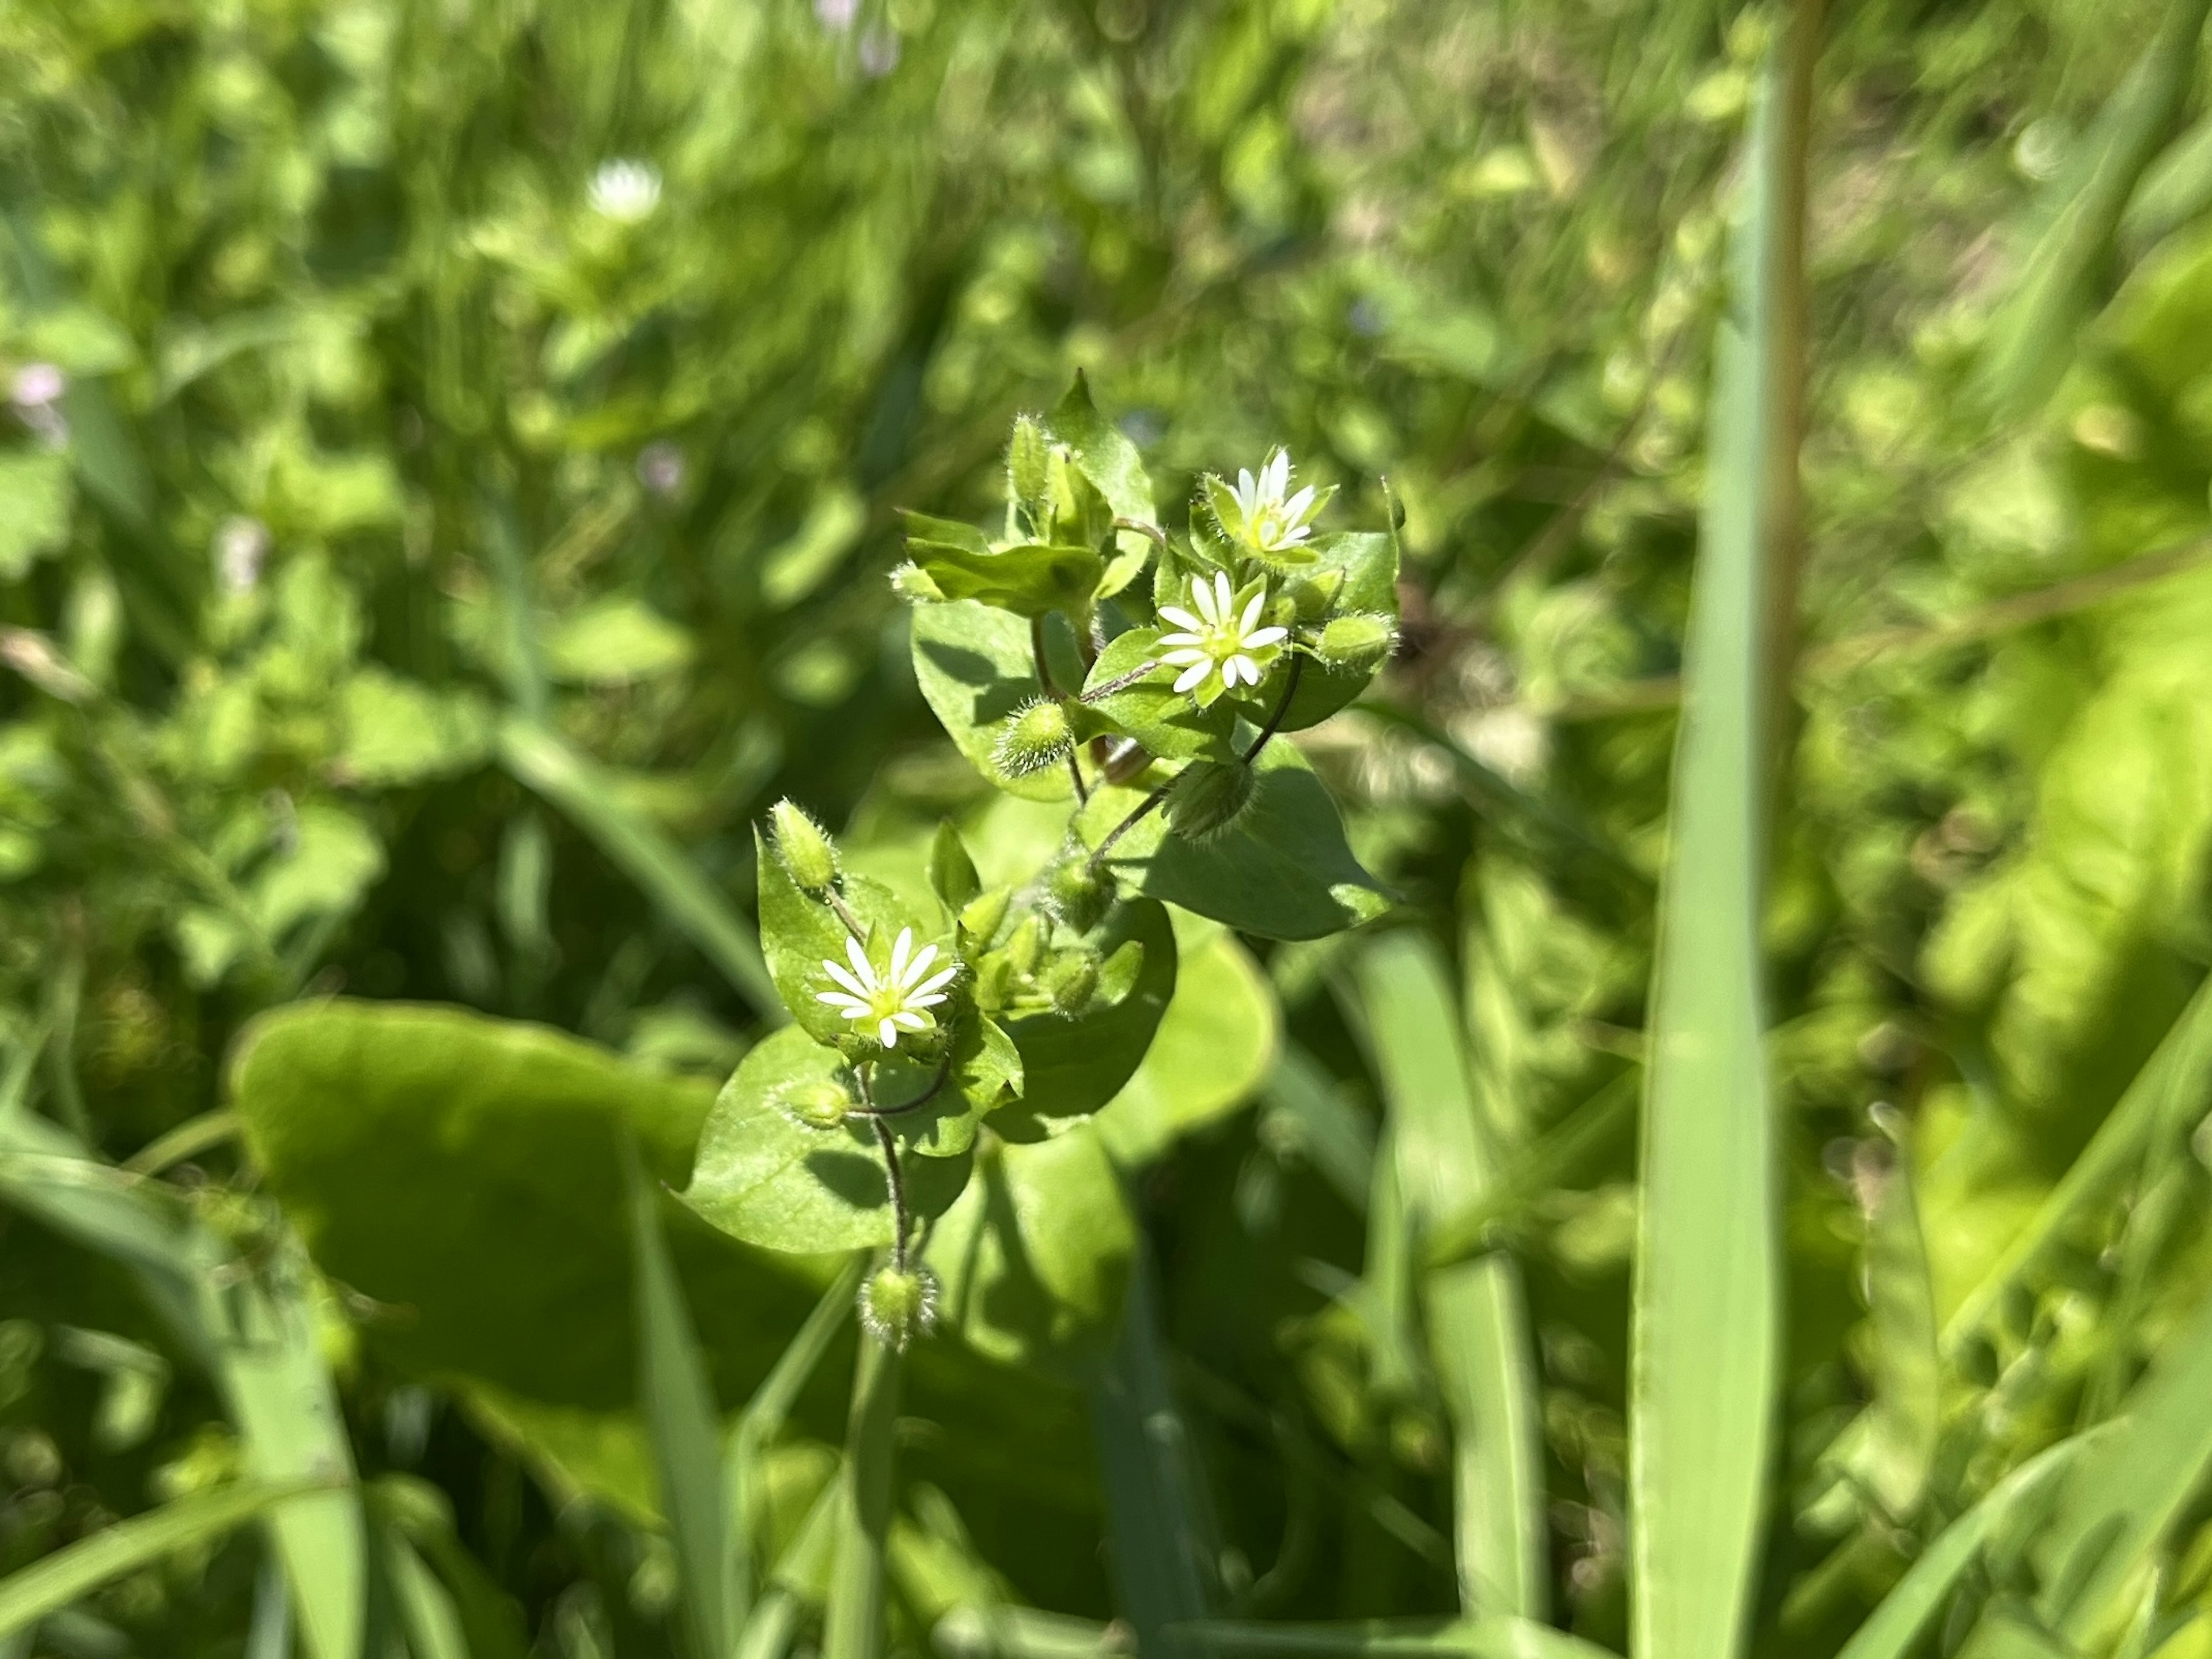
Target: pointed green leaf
977, 669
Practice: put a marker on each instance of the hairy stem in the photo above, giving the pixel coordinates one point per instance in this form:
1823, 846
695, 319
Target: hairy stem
1282, 707
936, 1084
900, 1217
1138, 814
836, 901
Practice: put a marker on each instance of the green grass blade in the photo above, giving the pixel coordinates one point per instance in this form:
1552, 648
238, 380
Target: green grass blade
1499, 1637
541, 761
2167, 1097
2126, 1494
2033, 338
768, 1629
48, 1585
1154, 1515
1326, 1131
255, 1334
1010, 1633
427, 1610
1478, 1325
1892, 1628
762, 1419
1536, 1169
1906, 1420
1705, 1331
852, 1622
678, 1402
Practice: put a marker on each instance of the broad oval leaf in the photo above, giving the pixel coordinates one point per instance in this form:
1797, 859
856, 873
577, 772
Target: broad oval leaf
977, 669
1215, 1047
1033, 1260
1028, 580
1282, 869
1168, 722
763, 1177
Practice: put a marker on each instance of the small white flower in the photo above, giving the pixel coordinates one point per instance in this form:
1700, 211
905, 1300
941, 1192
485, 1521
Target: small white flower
1269, 523
1218, 638
625, 191
894, 1000
36, 386
241, 545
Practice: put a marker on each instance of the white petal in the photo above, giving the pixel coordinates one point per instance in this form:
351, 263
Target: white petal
1183, 639
1179, 617
925, 1001
1184, 655
1292, 538
852, 1007
1244, 665
909, 1021
1265, 636
1247, 491
920, 965
900, 947
1275, 476
861, 965
887, 1034
1194, 674
1251, 616
1202, 597
1294, 508
839, 977
936, 982
1225, 601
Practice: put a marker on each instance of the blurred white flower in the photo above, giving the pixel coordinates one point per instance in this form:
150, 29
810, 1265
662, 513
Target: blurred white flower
660, 468
241, 544
625, 191
894, 1000
1218, 638
836, 15
879, 51
1257, 514
36, 386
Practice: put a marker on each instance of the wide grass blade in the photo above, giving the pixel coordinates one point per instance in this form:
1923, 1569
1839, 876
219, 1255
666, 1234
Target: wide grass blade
1905, 1420
1499, 1637
1535, 1169
852, 1622
256, 1336
1477, 1321
46, 1586
1327, 1132
680, 1415
2034, 337
1154, 1515
1705, 1332
762, 1419
1893, 1627
541, 761
2125, 1495
2165, 1100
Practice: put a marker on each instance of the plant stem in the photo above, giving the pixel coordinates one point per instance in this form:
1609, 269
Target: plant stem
901, 1218
1045, 684
937, 1083
852, 1623
1142, 809
836, 901
1282, 707
1158, 535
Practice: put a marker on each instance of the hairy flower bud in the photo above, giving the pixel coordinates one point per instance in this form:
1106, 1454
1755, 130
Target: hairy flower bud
817, 1102
1078, 893
1071, 980
915, 584
1355, 640
1026, 948
1028, 469
807, 854
982, 915
899, 1303
1208, 797
1037, 736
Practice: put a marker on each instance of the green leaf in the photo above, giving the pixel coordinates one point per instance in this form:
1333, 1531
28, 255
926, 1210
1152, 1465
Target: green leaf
1892, 1630
1368, 561
1074, 1066
1905, 1421
616, 641
763, 1177
402, 1139
1283, 870
951, 872
678, 1402
1169, 724
1104, 455
398, 732
1028, 580
1215, 1045
1477, 1316
542, 760
1031, 1261
1705, 1325
35, 498
48, 1585
977, 669
853, 1624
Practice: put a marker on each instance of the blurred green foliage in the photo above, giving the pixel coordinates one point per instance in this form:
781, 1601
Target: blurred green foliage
454, 463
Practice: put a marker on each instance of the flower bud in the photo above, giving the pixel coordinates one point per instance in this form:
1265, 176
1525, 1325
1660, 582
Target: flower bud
982, 915
1358, 638
1037, 738
1071, 980
806, 853
1208, 797
1026, 948
899, 1303
994, 981
817, 1102
1028, 469
911, 583
1310, 599
1078, 893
